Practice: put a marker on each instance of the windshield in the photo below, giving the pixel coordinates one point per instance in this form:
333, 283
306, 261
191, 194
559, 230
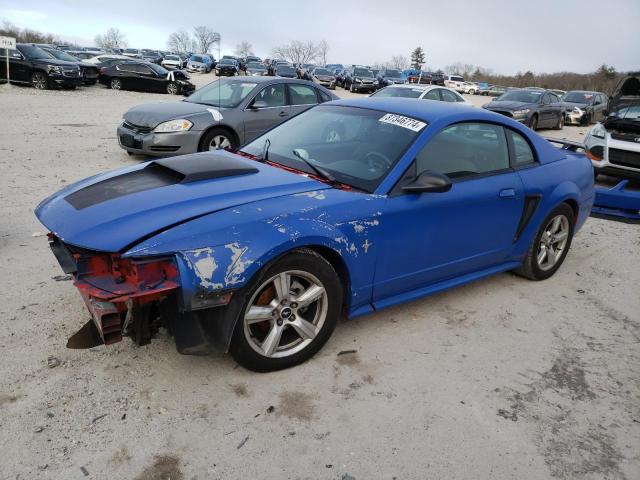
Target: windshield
578, 97
60, 55
225, 93
30, 51
130, 50
197, 58
393, 74
631, 112
322, 71
363, 72
227, 61
357, 146
399, 92
158, 69
256, 66
172, 57
523, 96
285, 69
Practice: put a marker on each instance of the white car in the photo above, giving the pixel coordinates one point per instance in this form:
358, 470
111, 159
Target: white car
614, 145
426, 92
172, 62
101, 58
454, 82
469, 88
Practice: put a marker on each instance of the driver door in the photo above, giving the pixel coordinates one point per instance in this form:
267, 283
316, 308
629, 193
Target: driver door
432, 237
267, 109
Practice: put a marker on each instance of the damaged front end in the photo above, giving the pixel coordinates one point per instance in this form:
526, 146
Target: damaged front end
125, 296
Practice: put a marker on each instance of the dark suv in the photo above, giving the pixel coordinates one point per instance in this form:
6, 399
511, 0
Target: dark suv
535, 108
359, 79
32, 65
88, 71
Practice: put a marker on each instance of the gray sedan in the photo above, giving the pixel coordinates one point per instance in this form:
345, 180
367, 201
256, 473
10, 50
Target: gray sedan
224, 114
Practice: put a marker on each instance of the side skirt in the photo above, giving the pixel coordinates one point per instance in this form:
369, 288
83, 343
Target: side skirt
436, 287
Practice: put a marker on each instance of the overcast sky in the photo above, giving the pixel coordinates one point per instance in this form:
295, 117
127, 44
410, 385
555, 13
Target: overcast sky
505, 35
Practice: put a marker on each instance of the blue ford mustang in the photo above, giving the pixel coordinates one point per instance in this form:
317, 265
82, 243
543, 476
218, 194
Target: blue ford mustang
352, 206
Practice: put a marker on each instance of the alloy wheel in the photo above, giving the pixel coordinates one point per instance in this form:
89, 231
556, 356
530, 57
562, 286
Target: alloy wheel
39, 81
285, 314
172, 88
219, 141
553, 242
116, 84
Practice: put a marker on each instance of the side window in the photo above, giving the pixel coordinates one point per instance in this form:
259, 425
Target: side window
464, 150
324, 97
448, 96
273, 95
521, 149
545, 99
459, 98
302, 94
143, 69
554, 98
433, 94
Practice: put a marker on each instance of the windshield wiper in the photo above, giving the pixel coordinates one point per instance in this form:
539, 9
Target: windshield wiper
321, 172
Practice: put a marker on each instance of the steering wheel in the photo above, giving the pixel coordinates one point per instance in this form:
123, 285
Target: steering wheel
377, 161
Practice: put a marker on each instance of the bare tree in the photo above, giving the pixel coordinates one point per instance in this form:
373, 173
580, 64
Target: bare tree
205, 38
27, 35
323, 49
180, 41
398, 62
244, 49
114, 38
297, 52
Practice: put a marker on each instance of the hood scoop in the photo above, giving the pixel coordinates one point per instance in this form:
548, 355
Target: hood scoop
161, 173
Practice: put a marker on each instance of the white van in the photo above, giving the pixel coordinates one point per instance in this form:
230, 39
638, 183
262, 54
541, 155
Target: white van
455, 82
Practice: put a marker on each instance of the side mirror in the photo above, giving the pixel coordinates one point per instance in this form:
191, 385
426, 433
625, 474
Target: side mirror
429, 181
258, 105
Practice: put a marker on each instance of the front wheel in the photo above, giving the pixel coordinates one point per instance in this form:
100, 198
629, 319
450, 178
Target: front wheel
39, 80
560, 123
290, 312
533, 124
115, 84
217, 138
550, 245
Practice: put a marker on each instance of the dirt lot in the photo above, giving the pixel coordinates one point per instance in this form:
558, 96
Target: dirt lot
500, 379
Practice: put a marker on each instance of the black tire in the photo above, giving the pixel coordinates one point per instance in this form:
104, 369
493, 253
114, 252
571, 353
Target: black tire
533, 123
530, 268
560, 124
351, 88
299, 260
40, 80
172, 88
586, 120
209, 137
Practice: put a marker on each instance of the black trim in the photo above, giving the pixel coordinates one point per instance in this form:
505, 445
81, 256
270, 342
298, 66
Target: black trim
531, 203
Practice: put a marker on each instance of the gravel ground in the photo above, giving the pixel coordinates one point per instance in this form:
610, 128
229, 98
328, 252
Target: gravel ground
500, 379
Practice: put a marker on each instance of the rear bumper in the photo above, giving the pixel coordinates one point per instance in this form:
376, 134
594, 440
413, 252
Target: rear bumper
158, 144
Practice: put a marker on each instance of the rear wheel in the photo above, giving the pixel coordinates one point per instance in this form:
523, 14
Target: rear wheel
172, 88
550, 245
40, 80
115, 84
533, 123
217, 138
290, 312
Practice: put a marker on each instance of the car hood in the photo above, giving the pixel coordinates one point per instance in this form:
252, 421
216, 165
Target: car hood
581, 106
153, 114
112, 212
509, 105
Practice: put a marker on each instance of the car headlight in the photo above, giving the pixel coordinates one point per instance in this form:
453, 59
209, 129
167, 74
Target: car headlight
524, 111
577, 110
54, 69
172, 126
358, 80
598, 131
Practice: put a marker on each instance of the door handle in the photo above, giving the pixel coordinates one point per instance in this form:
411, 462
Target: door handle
282, 114
507, 193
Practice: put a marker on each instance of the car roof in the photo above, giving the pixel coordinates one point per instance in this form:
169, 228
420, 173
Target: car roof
426, 110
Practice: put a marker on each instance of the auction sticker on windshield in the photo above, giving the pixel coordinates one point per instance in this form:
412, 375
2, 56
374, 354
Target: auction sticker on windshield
402, 121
